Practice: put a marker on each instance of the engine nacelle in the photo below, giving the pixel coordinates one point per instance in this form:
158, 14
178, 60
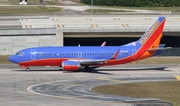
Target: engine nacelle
70, 65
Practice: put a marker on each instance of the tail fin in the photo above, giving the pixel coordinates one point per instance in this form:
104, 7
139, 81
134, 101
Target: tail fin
151, 38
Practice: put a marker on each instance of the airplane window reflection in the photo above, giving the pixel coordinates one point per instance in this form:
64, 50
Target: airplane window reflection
20, 53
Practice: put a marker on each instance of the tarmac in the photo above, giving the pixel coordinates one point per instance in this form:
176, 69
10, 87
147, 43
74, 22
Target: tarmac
51, 86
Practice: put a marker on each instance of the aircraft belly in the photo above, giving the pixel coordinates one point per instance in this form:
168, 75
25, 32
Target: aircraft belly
43, 62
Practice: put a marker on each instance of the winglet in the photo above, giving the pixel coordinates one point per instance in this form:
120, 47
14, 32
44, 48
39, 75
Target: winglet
115, 55
104, 43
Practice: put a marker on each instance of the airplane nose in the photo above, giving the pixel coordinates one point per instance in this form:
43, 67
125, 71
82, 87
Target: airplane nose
12, 59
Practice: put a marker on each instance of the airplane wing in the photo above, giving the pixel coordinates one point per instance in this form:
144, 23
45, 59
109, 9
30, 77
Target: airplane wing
92, 62
96, 61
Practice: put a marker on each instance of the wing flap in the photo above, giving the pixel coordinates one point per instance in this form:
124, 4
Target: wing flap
92, 62
96, 61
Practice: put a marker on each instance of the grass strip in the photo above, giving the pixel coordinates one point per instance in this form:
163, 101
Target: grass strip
4, 59
160, 60
166, 9
27, 10
106, 10
168, 90
29, 2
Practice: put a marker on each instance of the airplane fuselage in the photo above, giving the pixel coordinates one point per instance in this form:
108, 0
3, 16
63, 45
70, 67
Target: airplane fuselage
54, 55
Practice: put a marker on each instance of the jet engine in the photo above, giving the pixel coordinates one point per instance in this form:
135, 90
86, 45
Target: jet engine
70, 65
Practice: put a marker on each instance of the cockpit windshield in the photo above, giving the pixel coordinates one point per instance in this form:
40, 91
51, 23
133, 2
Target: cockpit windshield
20, 53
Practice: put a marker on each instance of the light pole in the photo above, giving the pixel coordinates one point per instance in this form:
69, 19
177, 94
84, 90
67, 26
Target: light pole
44, 3
91, 6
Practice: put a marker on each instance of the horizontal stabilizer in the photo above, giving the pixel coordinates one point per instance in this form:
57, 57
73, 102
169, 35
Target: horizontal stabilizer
156, 49
162, 45
91, 62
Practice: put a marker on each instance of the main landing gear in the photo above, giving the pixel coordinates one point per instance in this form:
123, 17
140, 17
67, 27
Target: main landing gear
88, 69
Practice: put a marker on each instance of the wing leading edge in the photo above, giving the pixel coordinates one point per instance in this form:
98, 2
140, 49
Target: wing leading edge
88, 62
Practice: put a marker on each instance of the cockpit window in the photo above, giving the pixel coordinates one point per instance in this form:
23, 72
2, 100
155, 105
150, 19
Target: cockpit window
20, 53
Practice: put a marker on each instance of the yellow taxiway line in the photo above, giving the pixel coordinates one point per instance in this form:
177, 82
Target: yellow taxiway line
177, 77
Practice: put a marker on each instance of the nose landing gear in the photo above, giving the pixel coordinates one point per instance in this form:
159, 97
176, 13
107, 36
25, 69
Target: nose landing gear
27, 69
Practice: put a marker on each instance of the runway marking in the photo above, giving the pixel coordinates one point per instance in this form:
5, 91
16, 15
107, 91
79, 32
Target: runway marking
177, 77
65, 97
107, 79
117, 104
83, 96
72, 97
25, 89
65, 84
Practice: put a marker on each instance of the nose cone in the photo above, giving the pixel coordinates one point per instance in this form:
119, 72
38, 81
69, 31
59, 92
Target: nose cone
13, 59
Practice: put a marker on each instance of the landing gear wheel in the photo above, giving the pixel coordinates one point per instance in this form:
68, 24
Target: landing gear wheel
60, 68
27, 69
88, 69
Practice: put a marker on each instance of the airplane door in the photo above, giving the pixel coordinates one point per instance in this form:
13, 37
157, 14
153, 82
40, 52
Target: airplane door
134, 52
79, 54
33, 54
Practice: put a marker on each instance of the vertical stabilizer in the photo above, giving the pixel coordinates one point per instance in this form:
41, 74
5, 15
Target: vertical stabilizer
151, 39
154, 33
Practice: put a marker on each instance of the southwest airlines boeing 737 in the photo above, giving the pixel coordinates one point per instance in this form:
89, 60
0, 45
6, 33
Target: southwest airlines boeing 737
73, 58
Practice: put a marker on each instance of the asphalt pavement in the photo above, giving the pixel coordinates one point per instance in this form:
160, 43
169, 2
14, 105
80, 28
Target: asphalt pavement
51, 86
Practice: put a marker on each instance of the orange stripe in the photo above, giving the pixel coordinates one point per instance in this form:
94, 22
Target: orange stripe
149, 54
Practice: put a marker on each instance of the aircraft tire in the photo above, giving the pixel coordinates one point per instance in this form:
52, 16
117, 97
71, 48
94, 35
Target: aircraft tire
88, 69
27, 69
